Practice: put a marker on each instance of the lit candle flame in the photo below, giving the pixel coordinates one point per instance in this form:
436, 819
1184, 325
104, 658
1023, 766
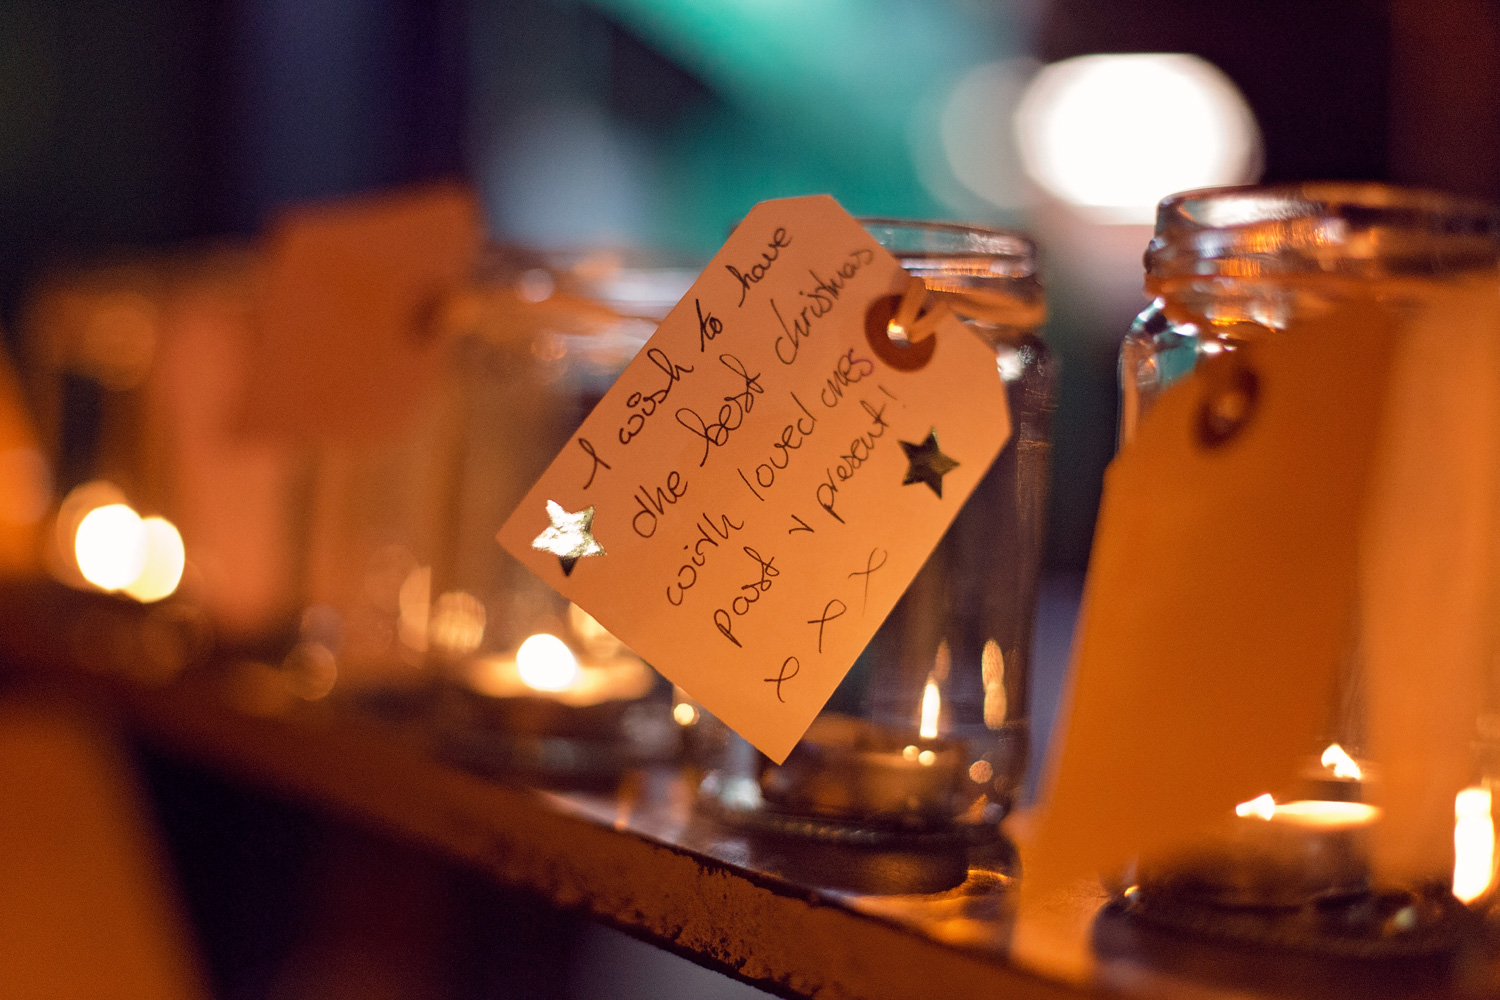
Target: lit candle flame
1342, 764
932, 704
1473, 844
546, 663
1321, 813
1262, 805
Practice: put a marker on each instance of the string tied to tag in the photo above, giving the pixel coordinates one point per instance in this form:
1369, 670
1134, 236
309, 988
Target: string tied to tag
900, 328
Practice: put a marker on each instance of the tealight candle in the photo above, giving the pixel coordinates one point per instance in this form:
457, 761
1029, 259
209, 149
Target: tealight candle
545, 689
1278, 854
850, 769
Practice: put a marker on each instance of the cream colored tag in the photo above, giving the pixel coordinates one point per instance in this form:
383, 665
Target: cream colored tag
747, 503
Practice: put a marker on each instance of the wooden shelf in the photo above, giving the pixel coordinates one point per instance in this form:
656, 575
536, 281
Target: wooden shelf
640, 858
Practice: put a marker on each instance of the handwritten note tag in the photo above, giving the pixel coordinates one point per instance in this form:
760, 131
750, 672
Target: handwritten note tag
747, 503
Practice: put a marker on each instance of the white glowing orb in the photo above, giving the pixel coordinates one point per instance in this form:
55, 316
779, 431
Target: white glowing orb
1473, 844
1114, 134
110, 546
546, 663
165, 558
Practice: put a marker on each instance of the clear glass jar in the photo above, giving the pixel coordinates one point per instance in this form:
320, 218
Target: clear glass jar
531, 683
1227, 270
1228, 266
929, 731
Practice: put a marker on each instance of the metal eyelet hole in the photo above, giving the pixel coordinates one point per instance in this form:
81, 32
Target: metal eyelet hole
1229, 404
904, 357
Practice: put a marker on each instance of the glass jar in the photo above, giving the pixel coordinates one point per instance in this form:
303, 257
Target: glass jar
1227, 270
1228, 266
530, 682
929, 731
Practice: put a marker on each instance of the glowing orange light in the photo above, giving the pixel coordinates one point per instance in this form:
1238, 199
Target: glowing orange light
1473, 843
457, 622
1262, 805
110, 546
546, 663
1342, 764
414, 602
165, 559
1321, 813
932, 704
1309, 812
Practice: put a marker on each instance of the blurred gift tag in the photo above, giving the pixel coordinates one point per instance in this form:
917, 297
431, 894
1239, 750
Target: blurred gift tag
348, 336
747, 503
1216, 617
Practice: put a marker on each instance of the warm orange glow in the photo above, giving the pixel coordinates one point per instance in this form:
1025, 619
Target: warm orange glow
1262, 805
546, 663
1319, 813
1342, 764
165, 559
25, 486
1325, 814
414, 603
597, 640
992, 673
110, 546
1473, 844
457, 622
932, 704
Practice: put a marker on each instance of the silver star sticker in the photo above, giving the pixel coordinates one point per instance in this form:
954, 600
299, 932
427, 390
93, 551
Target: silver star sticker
568, 536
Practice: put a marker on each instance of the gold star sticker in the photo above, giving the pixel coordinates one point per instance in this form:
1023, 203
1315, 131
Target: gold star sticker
568, 536
926, 464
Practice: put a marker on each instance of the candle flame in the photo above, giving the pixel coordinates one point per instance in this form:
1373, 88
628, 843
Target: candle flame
546, 663
1342, 764
1262, 805
932, 704
1310, 812
1473, 844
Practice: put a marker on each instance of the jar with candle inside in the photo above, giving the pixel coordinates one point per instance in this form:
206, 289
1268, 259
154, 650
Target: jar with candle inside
1228, 270
531, 684
926, 740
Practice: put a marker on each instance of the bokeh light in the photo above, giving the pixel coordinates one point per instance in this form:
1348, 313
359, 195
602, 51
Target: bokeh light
165, 559
1473, 843
110, 546
1114, 134
457, 623
546, 663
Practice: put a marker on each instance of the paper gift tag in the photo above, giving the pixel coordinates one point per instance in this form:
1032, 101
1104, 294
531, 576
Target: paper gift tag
348, 332
747, 503
1218, 611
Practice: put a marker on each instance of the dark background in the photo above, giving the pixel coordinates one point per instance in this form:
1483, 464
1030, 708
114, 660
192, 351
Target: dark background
157, 123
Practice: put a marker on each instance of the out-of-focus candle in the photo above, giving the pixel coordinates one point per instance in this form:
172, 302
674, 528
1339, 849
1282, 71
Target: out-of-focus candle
1473, 844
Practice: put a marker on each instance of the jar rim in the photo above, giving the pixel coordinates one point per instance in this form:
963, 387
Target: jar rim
955, 239
1363, 228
